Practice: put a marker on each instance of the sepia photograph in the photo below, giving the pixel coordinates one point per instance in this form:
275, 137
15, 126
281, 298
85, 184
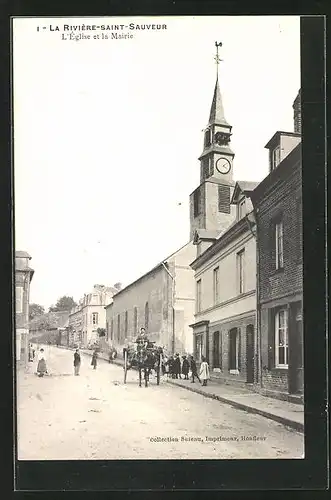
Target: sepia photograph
158, 238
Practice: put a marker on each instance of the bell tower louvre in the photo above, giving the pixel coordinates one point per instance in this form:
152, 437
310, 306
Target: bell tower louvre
210, 207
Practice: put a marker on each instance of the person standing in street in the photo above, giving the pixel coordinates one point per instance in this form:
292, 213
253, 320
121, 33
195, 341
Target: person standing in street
94, 360
185, 367
30, 353
204, 371
194, 370
41, 367
177, 366
77, 362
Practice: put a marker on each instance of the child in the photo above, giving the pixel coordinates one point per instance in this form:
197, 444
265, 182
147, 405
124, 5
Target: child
194, 370
204, 371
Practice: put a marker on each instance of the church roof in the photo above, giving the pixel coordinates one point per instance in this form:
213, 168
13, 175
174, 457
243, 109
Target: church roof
217, 110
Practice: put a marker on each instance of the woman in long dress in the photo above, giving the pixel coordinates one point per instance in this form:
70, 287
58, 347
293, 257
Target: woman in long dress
204, 371
41, 368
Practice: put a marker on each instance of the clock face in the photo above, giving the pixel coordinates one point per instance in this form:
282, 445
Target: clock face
223, 166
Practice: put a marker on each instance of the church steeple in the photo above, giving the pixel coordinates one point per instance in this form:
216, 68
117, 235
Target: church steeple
217, 111
210, 203
217, 157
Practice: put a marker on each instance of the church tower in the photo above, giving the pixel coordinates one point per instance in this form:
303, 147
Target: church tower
210, 207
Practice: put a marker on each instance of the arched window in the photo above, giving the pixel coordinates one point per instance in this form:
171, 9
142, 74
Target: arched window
146, 316
135, 321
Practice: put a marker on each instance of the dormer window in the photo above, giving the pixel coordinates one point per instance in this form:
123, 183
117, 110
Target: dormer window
275, 157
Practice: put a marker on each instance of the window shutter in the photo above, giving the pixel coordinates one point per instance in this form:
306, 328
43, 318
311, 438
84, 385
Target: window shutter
221, 350
239, 349
224, 199
271, 339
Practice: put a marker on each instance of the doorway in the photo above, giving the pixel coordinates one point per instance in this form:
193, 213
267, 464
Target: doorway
233, 350
250, 354
216, 349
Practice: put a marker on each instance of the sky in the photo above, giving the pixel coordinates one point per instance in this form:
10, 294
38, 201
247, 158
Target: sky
108, 132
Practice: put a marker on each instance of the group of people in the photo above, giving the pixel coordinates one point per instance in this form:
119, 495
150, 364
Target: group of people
175, 368
172, 366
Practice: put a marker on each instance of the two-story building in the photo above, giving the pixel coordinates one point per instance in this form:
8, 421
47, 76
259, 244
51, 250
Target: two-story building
278, 210
161, 301
23, 277
89, 315
225, 272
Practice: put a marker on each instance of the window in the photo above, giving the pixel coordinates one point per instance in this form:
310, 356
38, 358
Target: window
198, 299
241, 271
224, 199
95, 318
107, 330
197, 202
112, 330
118, 327
216, 285
279, 245
233, 349
126, 324
135, 320
281, 339
207, 137
19, 299
241, 209
275, 157
146, 316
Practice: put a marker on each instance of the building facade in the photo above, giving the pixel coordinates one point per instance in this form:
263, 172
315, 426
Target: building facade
224, 329
278, 208
23, 277
89, 315
161, 301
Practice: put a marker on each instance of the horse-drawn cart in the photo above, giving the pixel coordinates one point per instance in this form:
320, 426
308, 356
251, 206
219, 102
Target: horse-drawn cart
145, 358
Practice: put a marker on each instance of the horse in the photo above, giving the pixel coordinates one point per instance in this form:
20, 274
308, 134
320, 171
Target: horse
145, 359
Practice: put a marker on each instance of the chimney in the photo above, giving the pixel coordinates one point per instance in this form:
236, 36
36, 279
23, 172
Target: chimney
297, 113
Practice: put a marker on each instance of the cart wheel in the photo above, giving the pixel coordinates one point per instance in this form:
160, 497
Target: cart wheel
125, 365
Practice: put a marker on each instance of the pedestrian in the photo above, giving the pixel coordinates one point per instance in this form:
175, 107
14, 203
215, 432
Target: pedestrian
30, 353
77, 362
41, 367
194, 370
185, 367
204, 371
177, 366
94, 359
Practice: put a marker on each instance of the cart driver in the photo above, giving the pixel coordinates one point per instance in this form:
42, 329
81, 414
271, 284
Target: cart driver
142, 340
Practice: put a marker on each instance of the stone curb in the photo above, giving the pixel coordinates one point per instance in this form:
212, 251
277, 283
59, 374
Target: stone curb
298, 426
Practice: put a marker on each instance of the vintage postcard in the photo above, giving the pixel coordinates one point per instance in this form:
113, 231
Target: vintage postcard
158, 238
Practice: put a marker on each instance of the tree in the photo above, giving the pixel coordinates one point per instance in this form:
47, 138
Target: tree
35, 310
64, 303
101, 332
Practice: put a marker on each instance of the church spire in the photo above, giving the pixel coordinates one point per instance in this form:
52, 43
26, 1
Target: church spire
217, 111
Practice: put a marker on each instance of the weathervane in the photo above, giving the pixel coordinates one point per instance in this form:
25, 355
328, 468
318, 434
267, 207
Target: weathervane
217, 58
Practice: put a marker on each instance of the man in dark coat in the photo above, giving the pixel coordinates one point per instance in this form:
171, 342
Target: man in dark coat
94, 360
177, 366
77, 362
194, 370
185, 367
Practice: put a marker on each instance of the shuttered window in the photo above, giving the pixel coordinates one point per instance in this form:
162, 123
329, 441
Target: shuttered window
224, 199
197, 202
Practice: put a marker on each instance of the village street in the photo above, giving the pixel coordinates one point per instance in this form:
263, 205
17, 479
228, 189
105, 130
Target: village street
96, 416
